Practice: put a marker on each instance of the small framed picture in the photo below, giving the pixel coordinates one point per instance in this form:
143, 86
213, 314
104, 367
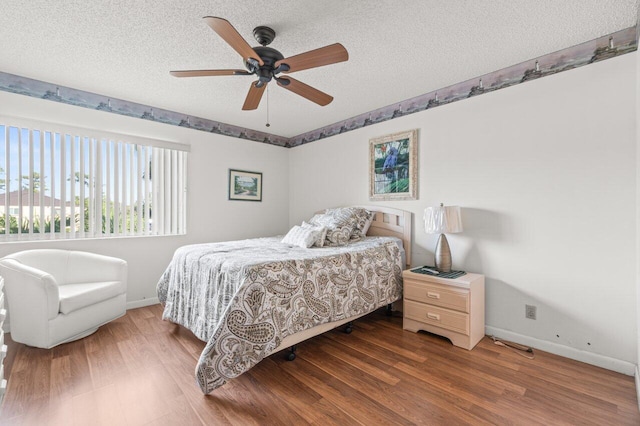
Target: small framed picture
244, 185
392, 166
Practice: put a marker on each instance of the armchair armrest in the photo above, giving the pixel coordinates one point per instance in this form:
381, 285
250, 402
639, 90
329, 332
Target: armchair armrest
26, 283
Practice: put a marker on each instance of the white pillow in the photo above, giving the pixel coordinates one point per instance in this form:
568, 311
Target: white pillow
323, 233
302, 237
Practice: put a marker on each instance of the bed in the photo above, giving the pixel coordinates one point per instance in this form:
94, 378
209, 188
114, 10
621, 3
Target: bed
249, 299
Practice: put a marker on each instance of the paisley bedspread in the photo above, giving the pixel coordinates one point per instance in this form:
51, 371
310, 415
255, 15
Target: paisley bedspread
244, 297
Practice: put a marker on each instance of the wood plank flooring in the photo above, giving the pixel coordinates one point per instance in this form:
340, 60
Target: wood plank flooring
139, 370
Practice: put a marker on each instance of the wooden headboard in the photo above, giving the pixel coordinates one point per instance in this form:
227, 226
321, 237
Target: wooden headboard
390, 222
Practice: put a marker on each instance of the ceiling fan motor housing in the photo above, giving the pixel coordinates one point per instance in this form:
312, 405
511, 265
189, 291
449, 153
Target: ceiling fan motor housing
269, 56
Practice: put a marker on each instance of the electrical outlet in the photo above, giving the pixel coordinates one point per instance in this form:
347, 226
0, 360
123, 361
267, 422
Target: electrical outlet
530, 311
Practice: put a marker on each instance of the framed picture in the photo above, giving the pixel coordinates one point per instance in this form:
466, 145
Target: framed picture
245, 186
393, 172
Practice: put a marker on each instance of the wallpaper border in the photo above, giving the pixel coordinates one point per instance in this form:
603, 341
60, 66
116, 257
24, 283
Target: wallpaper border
601, 48
605, 47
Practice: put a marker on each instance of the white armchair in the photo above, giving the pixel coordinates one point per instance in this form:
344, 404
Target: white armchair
56, 296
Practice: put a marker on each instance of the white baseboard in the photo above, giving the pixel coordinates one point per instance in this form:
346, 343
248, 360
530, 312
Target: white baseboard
142, 303
603, 361
638, 386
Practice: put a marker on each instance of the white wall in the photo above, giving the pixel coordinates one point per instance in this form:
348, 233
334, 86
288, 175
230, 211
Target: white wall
638, 214
546, 175
211, 217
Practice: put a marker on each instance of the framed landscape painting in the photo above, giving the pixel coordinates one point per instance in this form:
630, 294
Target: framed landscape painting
392, 169
245, 186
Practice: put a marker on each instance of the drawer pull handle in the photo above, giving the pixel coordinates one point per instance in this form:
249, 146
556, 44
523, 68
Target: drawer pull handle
433, 295
433, 316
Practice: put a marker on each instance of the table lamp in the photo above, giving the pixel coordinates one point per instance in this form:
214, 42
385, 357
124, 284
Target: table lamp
441, 220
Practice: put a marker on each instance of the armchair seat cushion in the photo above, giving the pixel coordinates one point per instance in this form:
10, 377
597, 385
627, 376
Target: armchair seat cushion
77, 296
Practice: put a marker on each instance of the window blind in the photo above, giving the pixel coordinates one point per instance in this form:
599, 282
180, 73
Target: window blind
59, 181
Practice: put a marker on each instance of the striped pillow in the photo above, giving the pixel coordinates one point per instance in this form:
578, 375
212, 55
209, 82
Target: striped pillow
319, 242
302, 237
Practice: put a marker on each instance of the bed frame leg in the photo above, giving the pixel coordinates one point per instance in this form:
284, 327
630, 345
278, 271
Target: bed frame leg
389, 310
292, 353
349, 327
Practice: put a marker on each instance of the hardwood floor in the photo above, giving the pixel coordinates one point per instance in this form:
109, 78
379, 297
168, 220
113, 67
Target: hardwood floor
139, 370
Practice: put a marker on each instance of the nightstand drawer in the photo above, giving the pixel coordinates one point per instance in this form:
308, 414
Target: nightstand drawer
438, 295
439, 317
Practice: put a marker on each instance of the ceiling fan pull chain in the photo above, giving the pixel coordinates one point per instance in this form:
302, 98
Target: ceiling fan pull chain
268, 125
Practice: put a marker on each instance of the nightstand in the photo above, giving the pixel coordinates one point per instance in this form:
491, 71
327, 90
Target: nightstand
453, 308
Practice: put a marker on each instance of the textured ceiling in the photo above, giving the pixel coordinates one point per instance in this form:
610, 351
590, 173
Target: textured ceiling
397, 49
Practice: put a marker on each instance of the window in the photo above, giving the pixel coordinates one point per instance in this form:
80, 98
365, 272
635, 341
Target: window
58, 181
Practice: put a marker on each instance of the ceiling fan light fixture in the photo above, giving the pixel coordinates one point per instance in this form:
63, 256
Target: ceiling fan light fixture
264, 74
252, 65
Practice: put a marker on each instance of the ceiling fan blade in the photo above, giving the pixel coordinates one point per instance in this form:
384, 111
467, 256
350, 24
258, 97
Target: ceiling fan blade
207, 73
304, 90
315, 58
232, 37
253, 97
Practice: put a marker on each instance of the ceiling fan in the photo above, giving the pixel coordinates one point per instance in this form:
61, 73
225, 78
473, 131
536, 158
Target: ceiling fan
266, 63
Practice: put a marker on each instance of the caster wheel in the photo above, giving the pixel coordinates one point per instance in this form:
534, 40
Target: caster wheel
291, 356
348, 330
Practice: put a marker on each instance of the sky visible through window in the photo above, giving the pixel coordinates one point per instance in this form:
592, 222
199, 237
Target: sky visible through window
50, 183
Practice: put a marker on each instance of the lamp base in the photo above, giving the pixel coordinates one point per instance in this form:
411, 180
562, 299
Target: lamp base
443, 254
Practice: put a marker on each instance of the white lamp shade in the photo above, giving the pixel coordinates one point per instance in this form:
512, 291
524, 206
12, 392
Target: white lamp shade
442, 220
